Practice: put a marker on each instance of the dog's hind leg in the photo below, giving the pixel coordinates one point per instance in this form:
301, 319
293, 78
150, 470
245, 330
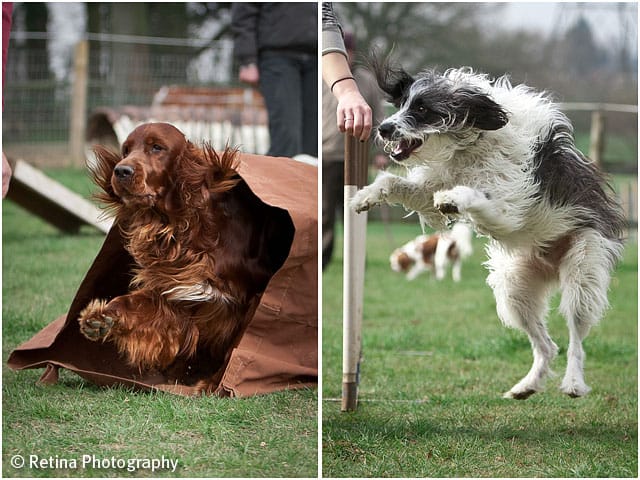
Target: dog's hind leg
584, 281
441, 260
456, 270
521, 289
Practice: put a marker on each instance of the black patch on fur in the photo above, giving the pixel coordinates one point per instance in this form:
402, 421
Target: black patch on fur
394, 81
567, 178
479, 109
438, 100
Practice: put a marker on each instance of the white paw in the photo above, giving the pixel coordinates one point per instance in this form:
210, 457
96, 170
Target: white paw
366, 198
457, 200
574, 387
520, 392
525, 388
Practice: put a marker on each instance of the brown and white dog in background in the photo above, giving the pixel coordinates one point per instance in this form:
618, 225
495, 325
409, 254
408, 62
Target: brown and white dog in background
434, 252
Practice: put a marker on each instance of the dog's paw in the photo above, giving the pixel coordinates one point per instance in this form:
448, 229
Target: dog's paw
366, 199
446, 202
455, 201
520, 394
574, 388
526, 387
95, 321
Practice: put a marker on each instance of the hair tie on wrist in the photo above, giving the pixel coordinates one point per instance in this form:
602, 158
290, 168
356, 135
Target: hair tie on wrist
341, 79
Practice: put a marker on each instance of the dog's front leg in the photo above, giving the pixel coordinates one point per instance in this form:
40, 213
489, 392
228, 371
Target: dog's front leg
375, 193
392, 189
148, 333
414, 271
489, 216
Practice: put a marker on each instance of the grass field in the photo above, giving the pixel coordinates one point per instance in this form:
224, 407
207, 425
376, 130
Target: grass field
436, 361
267, 436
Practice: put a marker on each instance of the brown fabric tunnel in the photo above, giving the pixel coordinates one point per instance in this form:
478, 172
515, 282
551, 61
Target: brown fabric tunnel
279, 348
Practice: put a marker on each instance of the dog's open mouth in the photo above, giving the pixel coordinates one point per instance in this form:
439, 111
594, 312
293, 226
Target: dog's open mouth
401, 149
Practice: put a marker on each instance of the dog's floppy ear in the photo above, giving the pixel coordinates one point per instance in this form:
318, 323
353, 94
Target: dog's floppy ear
394, 81
480, 110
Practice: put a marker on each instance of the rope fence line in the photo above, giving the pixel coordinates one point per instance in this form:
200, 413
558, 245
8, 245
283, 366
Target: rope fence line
377, 400
593, 107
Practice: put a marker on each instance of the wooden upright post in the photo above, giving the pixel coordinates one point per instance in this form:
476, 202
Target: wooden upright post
355, 229
596, 145
77, 115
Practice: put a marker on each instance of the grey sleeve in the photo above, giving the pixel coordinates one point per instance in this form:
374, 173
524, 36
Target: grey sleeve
332, 36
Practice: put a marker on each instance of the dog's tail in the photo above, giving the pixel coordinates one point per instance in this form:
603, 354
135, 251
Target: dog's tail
461, 234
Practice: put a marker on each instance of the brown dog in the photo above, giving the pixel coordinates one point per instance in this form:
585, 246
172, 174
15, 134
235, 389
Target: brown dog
204, 247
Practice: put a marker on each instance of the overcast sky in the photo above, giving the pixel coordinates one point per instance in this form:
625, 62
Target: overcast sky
553, 17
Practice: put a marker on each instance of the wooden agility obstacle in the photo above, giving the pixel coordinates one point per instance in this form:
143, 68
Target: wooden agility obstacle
51, 201
355, 229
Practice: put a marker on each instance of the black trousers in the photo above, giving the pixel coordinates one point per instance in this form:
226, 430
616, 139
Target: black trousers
332, 205
289, 85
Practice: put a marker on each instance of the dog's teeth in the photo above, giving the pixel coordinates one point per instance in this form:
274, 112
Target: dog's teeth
391, 147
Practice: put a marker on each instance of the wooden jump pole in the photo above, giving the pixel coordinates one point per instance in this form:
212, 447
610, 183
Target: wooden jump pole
355, 228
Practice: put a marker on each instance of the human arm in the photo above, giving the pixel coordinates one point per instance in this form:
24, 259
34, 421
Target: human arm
244, 20
353, 114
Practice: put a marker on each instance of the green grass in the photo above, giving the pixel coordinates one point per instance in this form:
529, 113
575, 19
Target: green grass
618, 149
266, 436
436, 361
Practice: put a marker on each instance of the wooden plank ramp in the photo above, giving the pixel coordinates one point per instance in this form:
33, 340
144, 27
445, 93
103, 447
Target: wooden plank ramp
53, 202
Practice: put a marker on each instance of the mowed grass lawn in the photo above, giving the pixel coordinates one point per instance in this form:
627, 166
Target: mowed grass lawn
266, 436
436, 361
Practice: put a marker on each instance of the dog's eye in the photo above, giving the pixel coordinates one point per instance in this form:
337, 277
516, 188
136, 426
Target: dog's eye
156, 148
125, 152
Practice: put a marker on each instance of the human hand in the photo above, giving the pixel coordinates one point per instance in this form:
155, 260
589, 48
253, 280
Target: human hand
353, 114
249, 74
6, 175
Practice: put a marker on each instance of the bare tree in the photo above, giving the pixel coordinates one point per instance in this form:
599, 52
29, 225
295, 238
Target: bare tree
422, 34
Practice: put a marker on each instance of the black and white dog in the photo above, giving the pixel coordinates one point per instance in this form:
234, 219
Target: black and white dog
503, 158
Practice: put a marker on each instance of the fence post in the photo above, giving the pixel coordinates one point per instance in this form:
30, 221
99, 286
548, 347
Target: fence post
596, 145
77, 114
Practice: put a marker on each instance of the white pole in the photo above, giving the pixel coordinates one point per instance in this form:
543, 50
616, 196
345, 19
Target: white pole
355, 228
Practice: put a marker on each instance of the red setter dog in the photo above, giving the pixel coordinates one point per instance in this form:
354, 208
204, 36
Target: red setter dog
204, 248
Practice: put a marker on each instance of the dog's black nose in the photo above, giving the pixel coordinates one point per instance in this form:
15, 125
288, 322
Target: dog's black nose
385, 130
123, 172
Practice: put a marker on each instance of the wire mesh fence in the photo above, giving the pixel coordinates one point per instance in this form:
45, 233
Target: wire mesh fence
136, 71
38, 88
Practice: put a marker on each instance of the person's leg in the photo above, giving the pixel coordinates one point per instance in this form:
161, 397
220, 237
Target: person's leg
332, 199
310, 105
281, 88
